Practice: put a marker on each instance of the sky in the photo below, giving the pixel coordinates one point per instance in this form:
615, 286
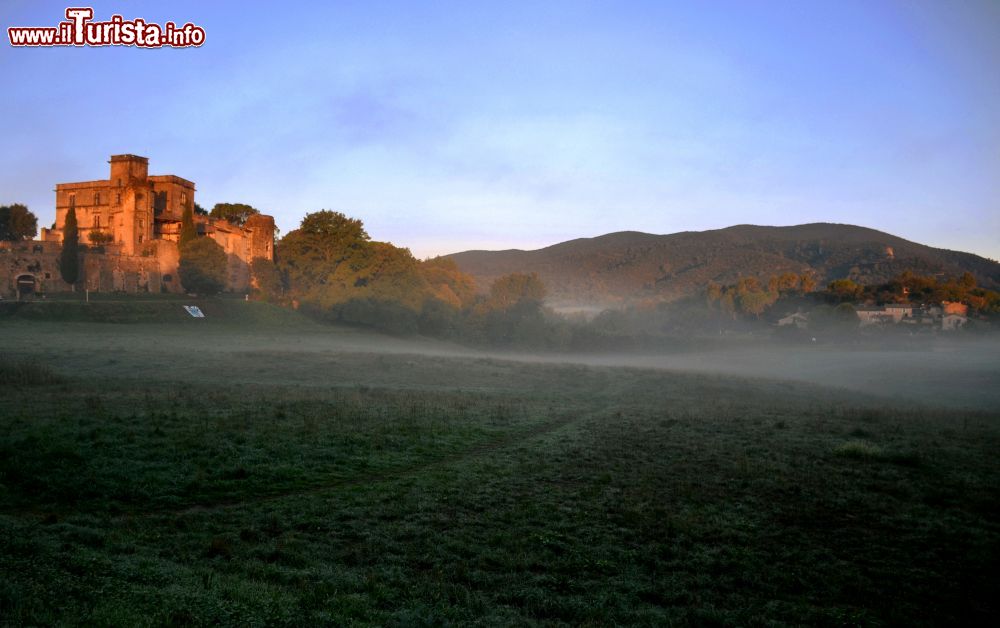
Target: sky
448, 126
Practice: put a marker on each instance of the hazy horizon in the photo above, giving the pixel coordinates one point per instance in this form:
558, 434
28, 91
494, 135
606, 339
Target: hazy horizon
447, 127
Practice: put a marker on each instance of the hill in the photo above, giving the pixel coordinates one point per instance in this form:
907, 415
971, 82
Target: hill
632, 266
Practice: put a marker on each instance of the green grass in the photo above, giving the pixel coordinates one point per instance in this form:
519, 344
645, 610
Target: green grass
158, 309
20, 372
271, 482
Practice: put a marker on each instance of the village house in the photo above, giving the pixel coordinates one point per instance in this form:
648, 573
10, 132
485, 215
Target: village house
873, 316
798, 319
899, 311
947, 317
951, 322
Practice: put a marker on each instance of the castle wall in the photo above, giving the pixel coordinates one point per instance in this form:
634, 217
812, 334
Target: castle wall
172, 196
100, 271
142, 214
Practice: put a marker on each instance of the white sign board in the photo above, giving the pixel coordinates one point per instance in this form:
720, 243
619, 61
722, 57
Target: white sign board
194, 311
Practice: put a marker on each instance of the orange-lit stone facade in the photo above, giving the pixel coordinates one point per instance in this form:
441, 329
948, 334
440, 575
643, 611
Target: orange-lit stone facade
133, 219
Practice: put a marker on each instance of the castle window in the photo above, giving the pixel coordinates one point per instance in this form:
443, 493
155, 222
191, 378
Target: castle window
118, 198
97, 198
184, 200
72, 200
97, 222
119, 181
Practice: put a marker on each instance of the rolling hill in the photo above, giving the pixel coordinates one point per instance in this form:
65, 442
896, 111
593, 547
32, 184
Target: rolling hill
630, 266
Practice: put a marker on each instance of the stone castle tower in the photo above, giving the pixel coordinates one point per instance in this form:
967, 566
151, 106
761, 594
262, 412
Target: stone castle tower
136, 218
130, 209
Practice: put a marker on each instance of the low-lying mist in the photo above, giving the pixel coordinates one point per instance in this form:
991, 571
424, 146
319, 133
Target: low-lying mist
950, 371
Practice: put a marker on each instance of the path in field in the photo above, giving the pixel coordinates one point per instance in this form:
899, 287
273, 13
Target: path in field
472, 453
478, 451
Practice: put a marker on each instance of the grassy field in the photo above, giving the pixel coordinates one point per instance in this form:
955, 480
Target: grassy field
255, 468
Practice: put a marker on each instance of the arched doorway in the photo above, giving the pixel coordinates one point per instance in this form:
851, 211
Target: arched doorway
26, 285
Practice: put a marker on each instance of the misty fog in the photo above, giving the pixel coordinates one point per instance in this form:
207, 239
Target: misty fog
941, 371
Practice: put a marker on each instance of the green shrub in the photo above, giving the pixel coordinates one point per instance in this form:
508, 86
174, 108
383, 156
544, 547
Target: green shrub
202, 268
858, 449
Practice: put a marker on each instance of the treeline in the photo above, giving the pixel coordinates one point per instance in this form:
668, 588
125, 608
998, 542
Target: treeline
331, 269
751, 303
750, 297
909, 287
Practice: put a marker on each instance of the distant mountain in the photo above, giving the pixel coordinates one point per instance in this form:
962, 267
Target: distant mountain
630, 266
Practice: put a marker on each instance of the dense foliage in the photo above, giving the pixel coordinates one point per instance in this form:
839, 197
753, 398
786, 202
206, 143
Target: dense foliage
17, 223
751, 298
69, 257
234, 213
332, 268
99, 238
266, 280
202, 267
189, 231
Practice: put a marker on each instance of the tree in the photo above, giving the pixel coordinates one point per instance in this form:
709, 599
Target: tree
267, 282
844, 290
788, 282
100, 237
512, 314
713, 293
201, 211
335, 227
325, 254
17, 223
392, 274
727, 303
438, 318
516, 289
967, 281
448, 283
746, 285
188, 231
807, 283
234, 213
202, 268
69, 258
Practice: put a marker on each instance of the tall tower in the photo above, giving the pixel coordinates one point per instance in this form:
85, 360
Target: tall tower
130, 183
125, 169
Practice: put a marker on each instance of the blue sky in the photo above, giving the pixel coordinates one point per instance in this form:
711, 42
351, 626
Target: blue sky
455, 125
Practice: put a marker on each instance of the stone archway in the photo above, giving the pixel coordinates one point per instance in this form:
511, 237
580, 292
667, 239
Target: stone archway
26, 285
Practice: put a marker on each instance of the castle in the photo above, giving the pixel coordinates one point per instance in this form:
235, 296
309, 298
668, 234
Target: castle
130, 223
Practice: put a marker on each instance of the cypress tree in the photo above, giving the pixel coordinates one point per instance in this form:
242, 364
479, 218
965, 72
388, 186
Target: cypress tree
69, 259
188, 231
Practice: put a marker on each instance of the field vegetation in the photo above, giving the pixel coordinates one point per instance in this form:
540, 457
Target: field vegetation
259, 468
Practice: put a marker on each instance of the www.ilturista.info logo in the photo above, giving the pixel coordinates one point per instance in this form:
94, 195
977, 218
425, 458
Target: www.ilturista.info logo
80, 30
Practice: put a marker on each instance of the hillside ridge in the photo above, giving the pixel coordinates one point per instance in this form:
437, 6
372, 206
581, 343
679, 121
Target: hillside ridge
632, 266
